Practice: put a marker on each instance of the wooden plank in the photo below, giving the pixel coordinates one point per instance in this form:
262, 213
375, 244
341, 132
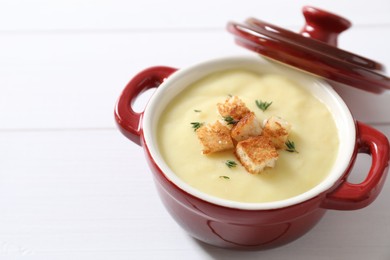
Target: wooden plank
154, 14
73, 80
76, 191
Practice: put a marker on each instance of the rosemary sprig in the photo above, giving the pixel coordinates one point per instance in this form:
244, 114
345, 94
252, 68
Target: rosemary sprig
291, 147
197, 110
230, 163
224, 177
230, 120
196, 125
263, 105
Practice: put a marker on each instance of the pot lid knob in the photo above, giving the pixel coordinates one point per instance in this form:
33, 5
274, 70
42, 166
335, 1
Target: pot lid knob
322, 25
313, 50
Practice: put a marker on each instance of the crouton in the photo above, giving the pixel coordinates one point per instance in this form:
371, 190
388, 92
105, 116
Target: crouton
277, 129
233, 107
248, 126
256, 153
214, 137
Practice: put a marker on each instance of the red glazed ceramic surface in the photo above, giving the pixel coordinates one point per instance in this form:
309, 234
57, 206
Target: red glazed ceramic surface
250, 225
313, 50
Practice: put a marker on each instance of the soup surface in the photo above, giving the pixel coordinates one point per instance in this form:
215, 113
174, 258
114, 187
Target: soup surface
313, 132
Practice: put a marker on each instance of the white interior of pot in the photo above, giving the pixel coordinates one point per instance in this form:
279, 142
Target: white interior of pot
184, 77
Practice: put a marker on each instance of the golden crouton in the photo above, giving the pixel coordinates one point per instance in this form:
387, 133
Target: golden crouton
233, 107
277, 130
256, 153
214, 137
248, 126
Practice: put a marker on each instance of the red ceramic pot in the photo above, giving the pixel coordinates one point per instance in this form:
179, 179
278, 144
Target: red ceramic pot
233, 224
245, 225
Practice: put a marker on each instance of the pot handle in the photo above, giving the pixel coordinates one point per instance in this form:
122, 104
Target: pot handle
128, 120
349, 196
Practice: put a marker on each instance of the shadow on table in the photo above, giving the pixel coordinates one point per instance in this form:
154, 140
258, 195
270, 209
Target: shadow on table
231, 254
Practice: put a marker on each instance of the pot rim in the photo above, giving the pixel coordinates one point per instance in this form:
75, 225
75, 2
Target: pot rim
321, 89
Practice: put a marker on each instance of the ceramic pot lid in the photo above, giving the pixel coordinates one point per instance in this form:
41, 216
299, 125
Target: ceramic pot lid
313, 50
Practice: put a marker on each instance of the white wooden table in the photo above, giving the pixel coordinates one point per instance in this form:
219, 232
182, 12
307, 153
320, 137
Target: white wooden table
72, 187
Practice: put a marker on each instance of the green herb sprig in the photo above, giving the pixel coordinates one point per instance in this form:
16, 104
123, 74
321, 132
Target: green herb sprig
230, 120
196, 125
230, 163
291, 147
263, 105
224, 177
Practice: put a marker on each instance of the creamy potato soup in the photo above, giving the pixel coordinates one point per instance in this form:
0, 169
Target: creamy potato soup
313, 132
